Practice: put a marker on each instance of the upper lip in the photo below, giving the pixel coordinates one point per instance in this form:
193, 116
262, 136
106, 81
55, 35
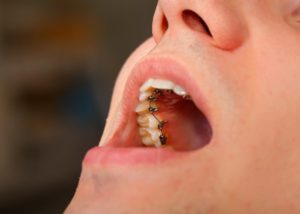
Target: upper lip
156, 67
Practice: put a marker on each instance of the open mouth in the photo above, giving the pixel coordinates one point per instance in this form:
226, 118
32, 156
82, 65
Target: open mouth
168, 117
163, 113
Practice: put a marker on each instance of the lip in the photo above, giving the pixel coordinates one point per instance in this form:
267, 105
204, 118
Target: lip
124, 156
119, 149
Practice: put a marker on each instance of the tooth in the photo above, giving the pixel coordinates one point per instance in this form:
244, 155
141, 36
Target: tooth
143, 107
157, 144
153, 123
143, 120
151, 136
162, 84
179, 91
155, 133
143, 132
144, 95
147, 121
147, 85
147, 141
150, 126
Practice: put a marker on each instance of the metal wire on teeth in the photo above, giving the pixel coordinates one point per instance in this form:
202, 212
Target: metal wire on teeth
152, 109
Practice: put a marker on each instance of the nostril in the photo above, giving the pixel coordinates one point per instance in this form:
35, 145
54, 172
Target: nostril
195, 22
164, 24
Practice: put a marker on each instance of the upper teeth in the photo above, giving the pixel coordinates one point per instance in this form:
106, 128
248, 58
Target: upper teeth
150, 126
145, 90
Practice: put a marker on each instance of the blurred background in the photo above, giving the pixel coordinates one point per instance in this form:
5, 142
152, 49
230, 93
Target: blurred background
58, 63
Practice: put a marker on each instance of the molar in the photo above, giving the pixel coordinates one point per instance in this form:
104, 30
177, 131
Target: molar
150, 136
147, 121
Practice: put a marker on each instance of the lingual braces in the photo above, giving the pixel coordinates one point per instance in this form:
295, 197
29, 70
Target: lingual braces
152, 109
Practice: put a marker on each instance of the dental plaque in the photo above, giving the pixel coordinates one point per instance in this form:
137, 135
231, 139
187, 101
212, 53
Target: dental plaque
157, 99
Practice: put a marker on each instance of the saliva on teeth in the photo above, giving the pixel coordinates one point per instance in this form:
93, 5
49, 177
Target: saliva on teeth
151, 127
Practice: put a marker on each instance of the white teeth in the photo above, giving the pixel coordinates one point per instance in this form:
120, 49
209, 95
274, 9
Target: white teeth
147, 121
147, 85
155, 133
150, 136
157, 83
144, 95
143, 107
151, 84
163, 84
179, 91
143, 120
150, 126
147, 141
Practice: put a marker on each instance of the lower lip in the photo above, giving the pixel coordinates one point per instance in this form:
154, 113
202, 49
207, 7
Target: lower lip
107, 156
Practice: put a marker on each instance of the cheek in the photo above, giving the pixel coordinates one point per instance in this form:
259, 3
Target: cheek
276, 86
268, 153
275, 151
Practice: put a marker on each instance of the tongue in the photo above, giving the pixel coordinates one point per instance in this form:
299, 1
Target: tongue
187, 128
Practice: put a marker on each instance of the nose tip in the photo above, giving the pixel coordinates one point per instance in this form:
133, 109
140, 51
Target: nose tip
214, 19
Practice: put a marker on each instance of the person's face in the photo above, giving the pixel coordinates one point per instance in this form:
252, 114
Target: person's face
243, 72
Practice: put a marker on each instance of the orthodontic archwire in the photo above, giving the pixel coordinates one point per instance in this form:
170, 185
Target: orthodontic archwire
152, 109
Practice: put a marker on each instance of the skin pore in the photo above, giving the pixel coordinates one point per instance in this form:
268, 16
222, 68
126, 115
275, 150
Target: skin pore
244, 57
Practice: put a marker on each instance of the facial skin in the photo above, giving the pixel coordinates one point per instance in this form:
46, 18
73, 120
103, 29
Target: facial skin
250, 74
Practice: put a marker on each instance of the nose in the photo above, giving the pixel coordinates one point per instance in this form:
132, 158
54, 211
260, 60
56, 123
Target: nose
220, 22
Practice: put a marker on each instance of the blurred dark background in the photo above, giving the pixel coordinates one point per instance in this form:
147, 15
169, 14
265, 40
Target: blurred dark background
58, 63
